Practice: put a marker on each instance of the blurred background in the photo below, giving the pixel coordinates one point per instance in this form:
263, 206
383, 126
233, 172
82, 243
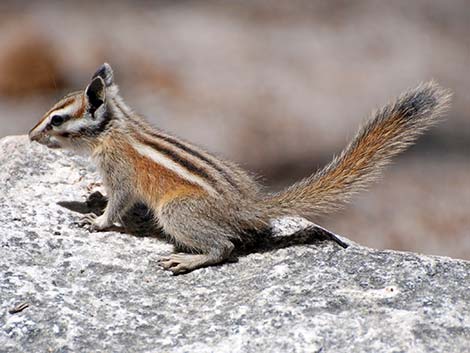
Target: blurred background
278, 86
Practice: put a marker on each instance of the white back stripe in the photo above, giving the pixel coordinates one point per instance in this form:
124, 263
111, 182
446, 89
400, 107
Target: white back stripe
167, 163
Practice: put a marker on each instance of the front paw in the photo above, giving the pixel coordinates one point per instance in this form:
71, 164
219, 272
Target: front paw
94, 223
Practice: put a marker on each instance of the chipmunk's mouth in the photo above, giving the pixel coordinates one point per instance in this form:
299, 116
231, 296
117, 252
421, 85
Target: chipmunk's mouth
46, 140
52, 143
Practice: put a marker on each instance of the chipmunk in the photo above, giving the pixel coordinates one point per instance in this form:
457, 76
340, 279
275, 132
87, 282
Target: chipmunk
207, 204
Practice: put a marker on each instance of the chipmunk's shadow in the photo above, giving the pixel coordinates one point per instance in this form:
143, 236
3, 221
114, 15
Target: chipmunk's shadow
266, 241
140, 221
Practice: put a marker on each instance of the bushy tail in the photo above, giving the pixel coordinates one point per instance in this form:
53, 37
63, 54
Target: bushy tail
389, 131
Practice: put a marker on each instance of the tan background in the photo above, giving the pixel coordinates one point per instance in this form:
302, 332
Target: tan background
279, 86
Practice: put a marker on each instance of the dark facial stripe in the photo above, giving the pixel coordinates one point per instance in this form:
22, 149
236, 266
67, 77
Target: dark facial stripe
65, 101
99, 129
186, 149
94, 131
175, 157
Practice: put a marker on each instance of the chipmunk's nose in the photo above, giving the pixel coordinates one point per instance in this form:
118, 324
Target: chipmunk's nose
34, 135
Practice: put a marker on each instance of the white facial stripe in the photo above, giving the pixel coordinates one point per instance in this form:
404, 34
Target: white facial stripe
165, 162
44, 123
77, 124
69, 109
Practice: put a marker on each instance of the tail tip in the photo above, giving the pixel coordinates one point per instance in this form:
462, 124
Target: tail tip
428, 97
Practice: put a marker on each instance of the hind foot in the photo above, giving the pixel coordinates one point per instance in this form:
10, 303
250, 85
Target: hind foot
182, 263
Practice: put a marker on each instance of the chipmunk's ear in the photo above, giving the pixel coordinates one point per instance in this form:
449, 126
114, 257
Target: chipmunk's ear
96, 93
106, 73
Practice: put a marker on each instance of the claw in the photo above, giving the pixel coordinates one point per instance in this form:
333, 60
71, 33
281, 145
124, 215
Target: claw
182, 263
93, 223
87, 219
163, 259
167, 263
179, 269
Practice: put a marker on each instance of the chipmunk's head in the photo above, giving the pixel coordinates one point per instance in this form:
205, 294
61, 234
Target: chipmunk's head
79, 118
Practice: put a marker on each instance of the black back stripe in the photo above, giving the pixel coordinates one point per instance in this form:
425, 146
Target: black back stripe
175, 157
196, 154
182, 147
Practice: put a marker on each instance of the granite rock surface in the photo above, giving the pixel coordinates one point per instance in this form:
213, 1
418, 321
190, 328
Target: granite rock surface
63, 289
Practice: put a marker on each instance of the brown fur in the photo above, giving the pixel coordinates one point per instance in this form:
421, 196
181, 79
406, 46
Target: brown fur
157, 185
207, 223
391, 130
81, 110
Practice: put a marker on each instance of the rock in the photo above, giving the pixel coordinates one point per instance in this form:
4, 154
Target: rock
63, 289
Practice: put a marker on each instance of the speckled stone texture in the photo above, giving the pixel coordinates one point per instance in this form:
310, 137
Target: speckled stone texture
103, 292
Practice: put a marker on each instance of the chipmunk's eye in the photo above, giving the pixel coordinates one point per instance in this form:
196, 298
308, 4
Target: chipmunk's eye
57, 120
